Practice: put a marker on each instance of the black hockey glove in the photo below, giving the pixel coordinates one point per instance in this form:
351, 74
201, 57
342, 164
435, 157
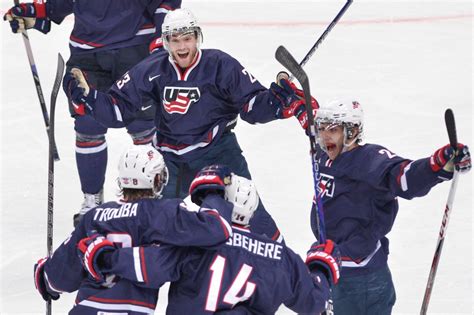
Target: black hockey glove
210, 179
325, 258
40, 282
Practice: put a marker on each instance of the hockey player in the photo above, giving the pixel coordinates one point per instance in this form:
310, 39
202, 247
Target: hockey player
199, 93
359, 186
140, 218
249, 273
108, 38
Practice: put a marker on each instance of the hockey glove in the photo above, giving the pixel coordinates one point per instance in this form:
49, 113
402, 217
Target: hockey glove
28, 15
40, 281
156, 45
295, 105
325, 258
448, 159
93, 253
78, 91
210, 179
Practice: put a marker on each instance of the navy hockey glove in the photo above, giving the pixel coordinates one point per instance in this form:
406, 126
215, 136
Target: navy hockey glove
156, 45
40, 281
290, 102
92, 252
28, 15
78, 91
326, 258
448, 159
210, 179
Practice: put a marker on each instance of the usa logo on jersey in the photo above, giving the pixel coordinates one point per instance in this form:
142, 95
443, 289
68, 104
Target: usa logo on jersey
179, 99
326, 185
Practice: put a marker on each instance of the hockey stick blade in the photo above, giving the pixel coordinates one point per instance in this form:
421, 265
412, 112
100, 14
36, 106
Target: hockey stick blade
451, 127
288, 61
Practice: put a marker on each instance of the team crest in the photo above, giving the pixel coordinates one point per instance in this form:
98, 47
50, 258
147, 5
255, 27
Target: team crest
326, 185
179, 99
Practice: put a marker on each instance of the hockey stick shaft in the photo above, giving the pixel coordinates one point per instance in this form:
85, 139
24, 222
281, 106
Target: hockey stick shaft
39, 90
52, 108
451, 128
325, 33
289, 62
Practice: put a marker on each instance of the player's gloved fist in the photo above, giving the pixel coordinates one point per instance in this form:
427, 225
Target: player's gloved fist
448, 159
156, 45
78, 91
210, 179
298, 109
28, 15
40, 281
91, 251
282, 95
326, 258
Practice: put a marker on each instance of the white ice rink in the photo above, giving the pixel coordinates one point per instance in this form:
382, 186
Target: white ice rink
406, 62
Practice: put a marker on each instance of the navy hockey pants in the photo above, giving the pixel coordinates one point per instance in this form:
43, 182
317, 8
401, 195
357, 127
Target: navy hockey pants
371, 294
227, 152
102, 69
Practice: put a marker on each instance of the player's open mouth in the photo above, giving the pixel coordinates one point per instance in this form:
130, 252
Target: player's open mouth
183, 55
330, 146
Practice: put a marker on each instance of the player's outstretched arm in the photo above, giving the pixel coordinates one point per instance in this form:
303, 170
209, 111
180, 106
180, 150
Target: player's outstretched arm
113, 112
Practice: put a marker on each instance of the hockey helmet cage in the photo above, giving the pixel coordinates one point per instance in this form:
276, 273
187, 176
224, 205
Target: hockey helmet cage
180, 22
346, 112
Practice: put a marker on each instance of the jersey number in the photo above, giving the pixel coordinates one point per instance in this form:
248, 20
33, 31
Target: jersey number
123, 239
252, 78
389, 154
230, 297
125, 79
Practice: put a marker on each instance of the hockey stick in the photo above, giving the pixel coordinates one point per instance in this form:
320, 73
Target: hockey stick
324, 34
52, 108
296, 70
39, 90
451, 128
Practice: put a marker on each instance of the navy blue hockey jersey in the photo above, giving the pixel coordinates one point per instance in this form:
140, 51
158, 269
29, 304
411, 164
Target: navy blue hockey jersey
249, 271
359, 192
145, 221
195, 106
110, 24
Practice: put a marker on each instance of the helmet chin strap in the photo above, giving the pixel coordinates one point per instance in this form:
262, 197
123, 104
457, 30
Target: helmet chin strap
346, 145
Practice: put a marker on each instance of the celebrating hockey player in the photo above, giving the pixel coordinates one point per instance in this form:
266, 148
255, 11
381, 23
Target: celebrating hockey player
108, 38
199, 94
359, 186
140, 218
250, 273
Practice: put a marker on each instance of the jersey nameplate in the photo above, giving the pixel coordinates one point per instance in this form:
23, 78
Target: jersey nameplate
106, 214
269, 250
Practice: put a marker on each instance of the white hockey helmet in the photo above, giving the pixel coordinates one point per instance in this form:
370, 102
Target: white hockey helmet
180, 22
242, 193
143, 167
346, 112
